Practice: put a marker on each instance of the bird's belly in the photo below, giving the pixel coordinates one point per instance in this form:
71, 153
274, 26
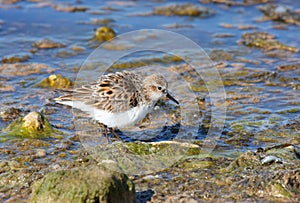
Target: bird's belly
122, 119
113, 120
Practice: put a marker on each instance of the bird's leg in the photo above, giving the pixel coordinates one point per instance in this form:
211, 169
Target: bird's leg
106, 131
114, 134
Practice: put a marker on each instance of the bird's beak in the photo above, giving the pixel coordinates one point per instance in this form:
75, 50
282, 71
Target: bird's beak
171, 98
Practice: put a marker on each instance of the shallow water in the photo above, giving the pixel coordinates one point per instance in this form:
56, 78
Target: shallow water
262, 98
257, 92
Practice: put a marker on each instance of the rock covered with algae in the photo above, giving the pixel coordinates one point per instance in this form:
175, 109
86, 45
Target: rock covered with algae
280, 13
33, 125
104, 34
55, 81
183, 10
16, 58
91, 184
265, 41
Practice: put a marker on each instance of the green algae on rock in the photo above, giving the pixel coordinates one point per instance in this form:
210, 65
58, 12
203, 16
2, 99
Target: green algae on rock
55, 81
280, 13
264, 41
142, 157
166, 59
79, 185
104, 34
16, 58
217, 178
218, 55
183, 10
33, 125
19, 69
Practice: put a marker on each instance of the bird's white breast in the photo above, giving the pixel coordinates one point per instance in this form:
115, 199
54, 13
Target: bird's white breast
118, 120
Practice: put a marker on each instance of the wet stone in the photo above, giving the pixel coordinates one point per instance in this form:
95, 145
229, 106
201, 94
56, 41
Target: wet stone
10, 114
103, 21
9, 1
270, 159
288, 67
40, 153
91, 184
183, 10
33, 125
237, 2
55, 81
16, 58
77, 48
47, 44
19, 69
220, 55
69, 8
280, 13
104, 34
265, 41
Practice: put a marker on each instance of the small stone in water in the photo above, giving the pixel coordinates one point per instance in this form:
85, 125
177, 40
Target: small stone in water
40, 153
271, 159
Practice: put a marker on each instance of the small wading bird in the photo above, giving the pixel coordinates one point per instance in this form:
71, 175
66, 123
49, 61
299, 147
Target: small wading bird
118, 99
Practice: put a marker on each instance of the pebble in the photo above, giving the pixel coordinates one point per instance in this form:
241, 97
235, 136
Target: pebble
40, 153
271, 159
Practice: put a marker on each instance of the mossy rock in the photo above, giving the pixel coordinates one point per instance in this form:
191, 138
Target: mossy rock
16, 58
167, 59
104, 34
265, 41
92, 184
280, 13
55, 81
143, 157
248, 159
33, 125
183, 10
219, 55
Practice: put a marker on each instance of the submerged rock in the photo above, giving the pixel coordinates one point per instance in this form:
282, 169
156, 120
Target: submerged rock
92, 184
69, 8
280, 13
33, 125
219, 55
237, 2
288, 67
15, 58
103, 21
19, 69
10, 114
9, 1
47, 44
265, 41
104, 33
183, 10
55, 81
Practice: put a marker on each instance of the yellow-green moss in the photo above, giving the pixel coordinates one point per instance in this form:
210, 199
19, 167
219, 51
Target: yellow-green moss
33, 125
55, 81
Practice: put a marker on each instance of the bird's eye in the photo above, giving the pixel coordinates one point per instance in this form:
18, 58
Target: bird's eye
159, 88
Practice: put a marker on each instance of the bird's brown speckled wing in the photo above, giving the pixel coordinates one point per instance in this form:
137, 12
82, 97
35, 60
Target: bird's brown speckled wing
113, 92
